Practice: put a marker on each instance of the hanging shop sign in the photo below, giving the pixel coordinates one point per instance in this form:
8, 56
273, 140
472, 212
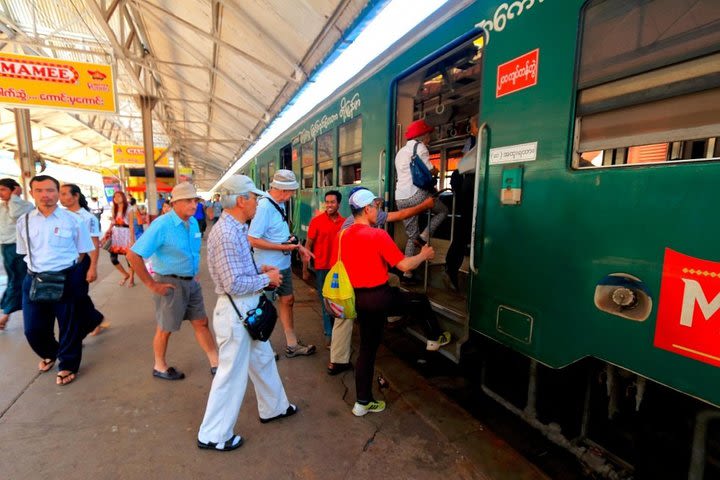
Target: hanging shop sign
135, 155
517, 74
29, 81
688, 318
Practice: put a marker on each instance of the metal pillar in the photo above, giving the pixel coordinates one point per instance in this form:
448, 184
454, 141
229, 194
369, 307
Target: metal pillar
176, 166
26, 155
147, 104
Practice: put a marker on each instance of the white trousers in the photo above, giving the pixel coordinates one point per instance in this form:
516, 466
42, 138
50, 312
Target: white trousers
240, 357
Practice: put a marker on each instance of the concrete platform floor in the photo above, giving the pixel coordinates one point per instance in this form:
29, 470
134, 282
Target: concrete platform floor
118, 422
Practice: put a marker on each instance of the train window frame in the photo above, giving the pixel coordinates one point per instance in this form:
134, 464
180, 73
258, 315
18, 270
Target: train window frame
349, 161
613, 106
321, 163
307, 163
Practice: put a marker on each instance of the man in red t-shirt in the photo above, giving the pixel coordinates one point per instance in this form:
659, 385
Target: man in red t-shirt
321, 235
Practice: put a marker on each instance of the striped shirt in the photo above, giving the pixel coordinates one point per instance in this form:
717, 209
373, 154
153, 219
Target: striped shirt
230, 260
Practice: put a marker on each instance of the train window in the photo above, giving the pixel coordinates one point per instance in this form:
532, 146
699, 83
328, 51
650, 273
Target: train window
308, 156
350, 151
325, 159
648, 85
271, 171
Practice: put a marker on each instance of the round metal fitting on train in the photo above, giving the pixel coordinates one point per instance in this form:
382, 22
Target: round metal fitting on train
624, 297
440, 108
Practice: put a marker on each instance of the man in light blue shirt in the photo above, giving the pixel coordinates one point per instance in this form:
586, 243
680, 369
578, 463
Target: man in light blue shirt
269, 235
173, 242
54, 240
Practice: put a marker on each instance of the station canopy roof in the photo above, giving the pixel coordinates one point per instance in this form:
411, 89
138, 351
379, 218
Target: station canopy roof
219, 69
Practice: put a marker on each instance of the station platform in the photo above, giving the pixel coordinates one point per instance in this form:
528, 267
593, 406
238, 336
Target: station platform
116, 421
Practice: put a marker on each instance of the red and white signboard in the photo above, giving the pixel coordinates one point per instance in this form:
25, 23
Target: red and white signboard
688, 320
517, 74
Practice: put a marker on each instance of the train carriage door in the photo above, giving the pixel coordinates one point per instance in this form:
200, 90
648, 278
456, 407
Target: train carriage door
444, 90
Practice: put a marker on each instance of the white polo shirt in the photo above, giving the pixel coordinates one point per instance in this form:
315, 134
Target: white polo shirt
405, 188
89, 220
56, 240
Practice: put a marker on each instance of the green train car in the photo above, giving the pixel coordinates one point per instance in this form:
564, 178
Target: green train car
589, 292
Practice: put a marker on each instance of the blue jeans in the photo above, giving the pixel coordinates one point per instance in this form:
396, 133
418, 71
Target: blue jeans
16, 269
327, 319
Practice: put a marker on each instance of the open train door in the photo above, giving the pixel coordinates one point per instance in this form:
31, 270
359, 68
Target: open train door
444, 89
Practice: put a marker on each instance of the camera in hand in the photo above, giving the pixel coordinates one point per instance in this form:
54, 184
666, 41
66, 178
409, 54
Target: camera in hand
292, 240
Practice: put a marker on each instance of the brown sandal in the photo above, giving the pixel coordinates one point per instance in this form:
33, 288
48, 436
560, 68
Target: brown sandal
45, 365
63, 380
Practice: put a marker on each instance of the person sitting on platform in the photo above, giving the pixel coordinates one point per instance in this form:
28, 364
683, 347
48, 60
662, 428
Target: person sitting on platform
236, 277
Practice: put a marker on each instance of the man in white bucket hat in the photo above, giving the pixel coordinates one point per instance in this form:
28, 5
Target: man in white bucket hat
270, 237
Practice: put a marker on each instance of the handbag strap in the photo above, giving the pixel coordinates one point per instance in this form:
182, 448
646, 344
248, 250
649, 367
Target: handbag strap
277, 207
27, 238
234, 306
340, 244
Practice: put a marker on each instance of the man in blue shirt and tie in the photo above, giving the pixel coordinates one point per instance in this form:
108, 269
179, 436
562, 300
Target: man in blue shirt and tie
173, 241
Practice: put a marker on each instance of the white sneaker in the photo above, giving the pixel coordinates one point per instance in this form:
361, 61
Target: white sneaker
376, 406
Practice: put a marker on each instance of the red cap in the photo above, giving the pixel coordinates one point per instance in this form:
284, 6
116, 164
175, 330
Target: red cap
417, 129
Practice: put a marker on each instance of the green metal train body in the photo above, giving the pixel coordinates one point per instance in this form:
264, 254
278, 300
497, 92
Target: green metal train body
574, 208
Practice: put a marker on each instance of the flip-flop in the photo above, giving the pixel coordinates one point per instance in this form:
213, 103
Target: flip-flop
46, 365
232, 443
66, 379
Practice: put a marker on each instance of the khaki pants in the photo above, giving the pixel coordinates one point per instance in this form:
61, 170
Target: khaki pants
341, 341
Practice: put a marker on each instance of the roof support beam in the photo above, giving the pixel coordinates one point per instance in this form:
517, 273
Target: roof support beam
161, 11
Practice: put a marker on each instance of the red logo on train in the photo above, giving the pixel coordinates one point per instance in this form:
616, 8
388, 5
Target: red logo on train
34, 70
688, 320
517, 74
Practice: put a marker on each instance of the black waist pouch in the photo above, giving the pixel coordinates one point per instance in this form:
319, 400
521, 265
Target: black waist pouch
260, 321
47, 287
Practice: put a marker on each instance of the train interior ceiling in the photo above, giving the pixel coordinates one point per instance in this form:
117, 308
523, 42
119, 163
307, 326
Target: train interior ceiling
445, 92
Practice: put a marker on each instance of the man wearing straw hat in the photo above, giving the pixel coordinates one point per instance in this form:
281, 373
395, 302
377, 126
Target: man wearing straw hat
270, 237
173, 240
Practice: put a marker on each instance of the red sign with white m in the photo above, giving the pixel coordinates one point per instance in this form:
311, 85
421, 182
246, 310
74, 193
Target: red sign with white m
688, 319
517, 74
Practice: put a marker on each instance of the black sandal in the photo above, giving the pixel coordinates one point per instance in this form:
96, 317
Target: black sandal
232, 443
291, 410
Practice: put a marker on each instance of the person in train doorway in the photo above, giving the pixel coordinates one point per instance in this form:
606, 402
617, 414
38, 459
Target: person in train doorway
173, 240
366, 253
55, 243
415, 305
408, 195
12, 207
72, 198
269, 235
236, 277
462, 182
321, 234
